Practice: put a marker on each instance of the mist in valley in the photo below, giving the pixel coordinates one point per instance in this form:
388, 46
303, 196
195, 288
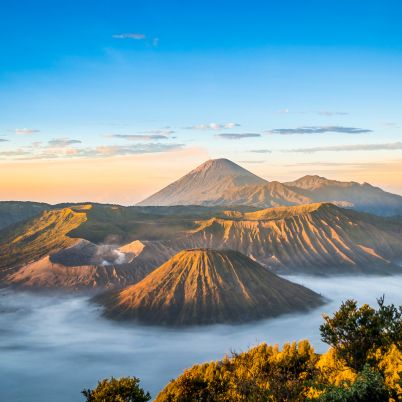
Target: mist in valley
53, 346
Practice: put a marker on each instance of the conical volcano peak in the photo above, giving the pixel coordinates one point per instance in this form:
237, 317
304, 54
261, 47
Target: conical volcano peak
222, 166
208, 184
207, 286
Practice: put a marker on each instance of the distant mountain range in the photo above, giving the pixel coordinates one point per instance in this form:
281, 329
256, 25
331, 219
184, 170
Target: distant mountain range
222, 182
207, 287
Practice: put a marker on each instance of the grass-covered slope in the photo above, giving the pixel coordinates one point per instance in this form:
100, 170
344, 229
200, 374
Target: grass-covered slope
38, 237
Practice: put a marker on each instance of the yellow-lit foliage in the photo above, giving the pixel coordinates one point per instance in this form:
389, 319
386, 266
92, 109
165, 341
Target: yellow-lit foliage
334, 371
390, 364
264, 373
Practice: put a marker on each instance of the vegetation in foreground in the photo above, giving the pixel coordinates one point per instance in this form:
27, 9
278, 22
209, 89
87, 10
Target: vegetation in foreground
363, 363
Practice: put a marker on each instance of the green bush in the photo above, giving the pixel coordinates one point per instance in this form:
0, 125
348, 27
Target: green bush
124, 389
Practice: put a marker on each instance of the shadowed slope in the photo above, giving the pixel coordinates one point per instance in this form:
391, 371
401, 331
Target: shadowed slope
205, 287
12, 212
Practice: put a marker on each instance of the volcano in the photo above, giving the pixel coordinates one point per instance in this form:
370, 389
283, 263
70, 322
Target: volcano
203, 286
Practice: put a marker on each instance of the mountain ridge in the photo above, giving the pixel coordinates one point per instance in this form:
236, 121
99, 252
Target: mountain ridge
222, 182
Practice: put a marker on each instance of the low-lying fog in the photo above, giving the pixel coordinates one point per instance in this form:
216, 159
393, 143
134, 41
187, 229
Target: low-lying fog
54, 346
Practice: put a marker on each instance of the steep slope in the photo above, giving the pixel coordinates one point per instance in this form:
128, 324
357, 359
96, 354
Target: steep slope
208, 184
272, 194
316, 238
206, 287
38, 237
363, 197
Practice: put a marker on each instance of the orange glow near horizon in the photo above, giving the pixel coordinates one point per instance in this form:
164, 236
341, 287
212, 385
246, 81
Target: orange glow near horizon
122, 180
128, 180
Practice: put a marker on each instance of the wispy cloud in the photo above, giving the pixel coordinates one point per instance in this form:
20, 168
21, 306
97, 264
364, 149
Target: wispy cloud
162, 131
250, 161
328, 113
61, 142
140, 137
261, 151
14, 153
150, 41
117, 150
26, 131
130, 35
319, 112
3, 140
390, 124
104, 151
335, 164
356, 147
213, 126
319, 130
237, 136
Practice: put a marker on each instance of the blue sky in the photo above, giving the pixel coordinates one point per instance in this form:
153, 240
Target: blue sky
101, 79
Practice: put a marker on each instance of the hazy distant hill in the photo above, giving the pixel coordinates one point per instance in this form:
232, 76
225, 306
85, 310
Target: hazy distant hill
363, 197
222, 182
12, 212
206, 287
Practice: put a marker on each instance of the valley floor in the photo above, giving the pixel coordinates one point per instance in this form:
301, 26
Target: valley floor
60, 344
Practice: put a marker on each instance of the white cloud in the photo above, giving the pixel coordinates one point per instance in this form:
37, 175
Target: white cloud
237, 136
328, 113
128, 35
26, 131
139, 137
213, 126
319, 130
356, 147
261, 151
103, 151
61, 142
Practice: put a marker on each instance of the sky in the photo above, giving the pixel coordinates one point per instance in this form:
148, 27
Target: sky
109, 101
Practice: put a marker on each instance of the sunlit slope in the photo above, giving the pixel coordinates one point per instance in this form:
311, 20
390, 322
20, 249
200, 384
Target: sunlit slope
205, 287
317, 238
38, 237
